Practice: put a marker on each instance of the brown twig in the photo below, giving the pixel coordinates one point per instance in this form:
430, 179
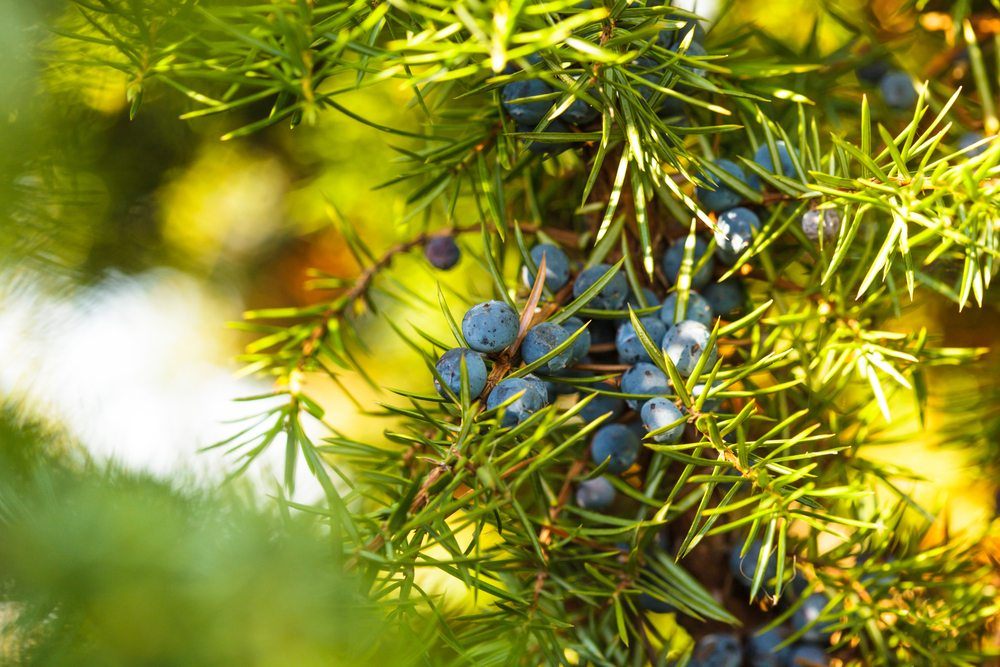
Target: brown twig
359, 289
419, 502
545, 535
608, 368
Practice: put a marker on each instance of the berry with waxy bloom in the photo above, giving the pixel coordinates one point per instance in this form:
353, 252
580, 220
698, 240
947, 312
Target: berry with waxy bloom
449, 367
490, 326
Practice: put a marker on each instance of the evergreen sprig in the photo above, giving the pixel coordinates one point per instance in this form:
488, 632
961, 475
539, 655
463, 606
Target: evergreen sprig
780, 468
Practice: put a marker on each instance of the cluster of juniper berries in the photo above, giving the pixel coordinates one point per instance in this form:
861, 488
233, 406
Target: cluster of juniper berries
603, 360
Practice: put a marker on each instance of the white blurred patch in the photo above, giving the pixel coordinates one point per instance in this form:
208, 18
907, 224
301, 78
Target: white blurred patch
136, 370
707, 9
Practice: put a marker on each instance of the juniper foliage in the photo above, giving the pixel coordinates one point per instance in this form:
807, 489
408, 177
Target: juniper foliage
772, 454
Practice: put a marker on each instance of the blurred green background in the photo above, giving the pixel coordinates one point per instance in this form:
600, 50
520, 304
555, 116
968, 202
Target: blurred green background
127, 245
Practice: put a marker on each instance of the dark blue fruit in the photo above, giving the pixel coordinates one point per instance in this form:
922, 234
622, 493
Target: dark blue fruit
610, 297
442, 252
807, 614
541, 147
655, 74
490, 326
658, 413
449, 367
807, 655
513, 67
717, 650
656, 77
636, 427
647, 294
595, 494
716, 196
645, 379
871, 73
556, 266
617, 445
630, 349
602, 404
542, 339
697, 309
672, 108
685, 343
532, 399
823, 222
897, 90
547, 390
736, 229
526, 112
675, 255
725, 298
654, 604
762, 649
970, 139
579, 113
581, 344
764, 159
